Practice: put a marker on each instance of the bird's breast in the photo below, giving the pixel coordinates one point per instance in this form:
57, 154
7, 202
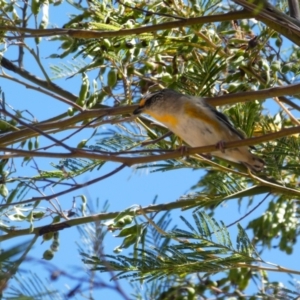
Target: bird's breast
196, 133
170, 120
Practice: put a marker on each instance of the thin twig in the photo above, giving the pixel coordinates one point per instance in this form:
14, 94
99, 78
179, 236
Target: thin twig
293, 119
7, 64
73, 133
24, 25
156, 140
74, 188
37, 59
41, 90
249, 212
33, 128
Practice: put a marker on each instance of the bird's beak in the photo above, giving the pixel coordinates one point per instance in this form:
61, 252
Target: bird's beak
138, 110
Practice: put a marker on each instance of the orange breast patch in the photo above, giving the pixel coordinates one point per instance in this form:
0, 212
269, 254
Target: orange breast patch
170, 120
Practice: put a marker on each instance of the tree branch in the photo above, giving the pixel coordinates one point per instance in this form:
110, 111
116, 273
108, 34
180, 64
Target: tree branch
135, 212
294, 9
96, 34
7, 64
65, 124
130, 161
274, 18
259, 9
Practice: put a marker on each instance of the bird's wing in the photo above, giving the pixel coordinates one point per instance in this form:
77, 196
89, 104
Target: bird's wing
221, 117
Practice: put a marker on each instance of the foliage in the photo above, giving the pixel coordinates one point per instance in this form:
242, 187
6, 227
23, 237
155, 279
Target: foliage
242, 55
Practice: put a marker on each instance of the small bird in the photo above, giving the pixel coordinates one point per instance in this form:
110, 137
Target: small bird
198, 124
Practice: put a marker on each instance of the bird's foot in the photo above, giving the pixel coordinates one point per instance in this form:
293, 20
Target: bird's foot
207, 156
184, 150
220, 146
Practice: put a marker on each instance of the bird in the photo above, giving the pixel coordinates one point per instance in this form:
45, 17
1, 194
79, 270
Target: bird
198, 124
